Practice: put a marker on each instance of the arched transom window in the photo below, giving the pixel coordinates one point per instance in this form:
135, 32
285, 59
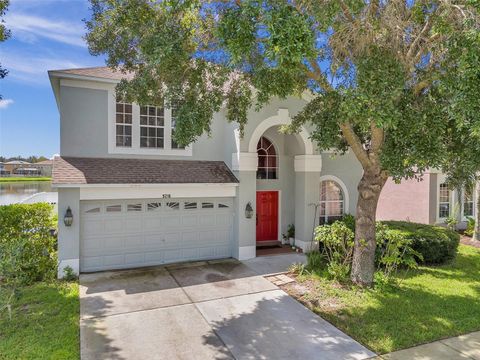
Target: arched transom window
267, 160
332, 201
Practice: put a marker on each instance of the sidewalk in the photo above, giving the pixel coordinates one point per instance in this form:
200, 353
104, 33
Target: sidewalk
460, 347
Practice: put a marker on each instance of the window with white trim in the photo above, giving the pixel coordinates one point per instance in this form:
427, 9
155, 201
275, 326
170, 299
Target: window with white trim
123, 121
468, 202
152, 127
332, 201
444, 201
267, 160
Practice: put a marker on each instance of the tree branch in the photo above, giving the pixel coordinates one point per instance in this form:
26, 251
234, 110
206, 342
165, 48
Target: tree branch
355, 144
317, 75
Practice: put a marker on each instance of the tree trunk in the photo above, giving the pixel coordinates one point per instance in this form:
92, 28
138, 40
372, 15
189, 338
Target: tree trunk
476, 234
369, 190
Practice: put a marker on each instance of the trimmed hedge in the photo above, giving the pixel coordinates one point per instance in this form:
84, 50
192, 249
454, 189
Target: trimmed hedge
437, 244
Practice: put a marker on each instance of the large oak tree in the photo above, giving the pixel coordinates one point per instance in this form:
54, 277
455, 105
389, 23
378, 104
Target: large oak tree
396, 81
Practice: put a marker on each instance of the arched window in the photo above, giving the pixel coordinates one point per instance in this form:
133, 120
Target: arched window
267, 160
332, 201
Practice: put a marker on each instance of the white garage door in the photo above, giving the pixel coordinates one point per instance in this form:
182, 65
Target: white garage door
133, 233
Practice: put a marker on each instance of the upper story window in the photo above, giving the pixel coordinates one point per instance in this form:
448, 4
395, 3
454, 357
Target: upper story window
332, 201
468, 202
143, 130
444, 201
267, 160
123, 121
152, 127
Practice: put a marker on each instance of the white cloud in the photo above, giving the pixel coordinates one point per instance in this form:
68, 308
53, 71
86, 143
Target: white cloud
4, 103
29, 28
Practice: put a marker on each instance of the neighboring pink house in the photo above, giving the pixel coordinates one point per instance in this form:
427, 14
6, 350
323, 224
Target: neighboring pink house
428, 201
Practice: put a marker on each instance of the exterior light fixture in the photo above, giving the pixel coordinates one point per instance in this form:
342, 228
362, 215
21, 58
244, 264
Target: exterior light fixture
68, 218
248, 211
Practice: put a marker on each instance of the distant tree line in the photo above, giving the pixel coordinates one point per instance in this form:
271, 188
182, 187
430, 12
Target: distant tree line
30, 159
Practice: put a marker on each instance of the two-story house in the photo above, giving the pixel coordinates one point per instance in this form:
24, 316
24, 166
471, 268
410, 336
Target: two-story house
129, 196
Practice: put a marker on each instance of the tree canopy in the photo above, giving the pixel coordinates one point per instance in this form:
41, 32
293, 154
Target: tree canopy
395, 81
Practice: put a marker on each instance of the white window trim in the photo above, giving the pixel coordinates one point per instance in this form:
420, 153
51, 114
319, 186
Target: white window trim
462, 200
346, 198
136, 149
277, 156
441, 180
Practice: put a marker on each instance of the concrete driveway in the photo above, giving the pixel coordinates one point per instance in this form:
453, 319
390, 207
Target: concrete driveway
208, 310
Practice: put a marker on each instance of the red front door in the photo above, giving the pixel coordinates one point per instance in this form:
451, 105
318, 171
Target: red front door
267, 215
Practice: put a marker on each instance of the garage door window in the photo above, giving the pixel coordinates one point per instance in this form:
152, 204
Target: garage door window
134, 207
93, 210
222, 206
190, 205
114, 208
154, 206
207, 205
173, 205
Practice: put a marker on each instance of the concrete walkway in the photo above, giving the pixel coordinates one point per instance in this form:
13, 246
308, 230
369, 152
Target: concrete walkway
460, 347
208, 310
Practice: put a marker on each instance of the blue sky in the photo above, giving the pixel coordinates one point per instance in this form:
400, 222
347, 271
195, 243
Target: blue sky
46, 35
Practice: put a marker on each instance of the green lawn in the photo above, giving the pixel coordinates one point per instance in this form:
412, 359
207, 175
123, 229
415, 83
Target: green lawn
429, 304
30, 178
44, 325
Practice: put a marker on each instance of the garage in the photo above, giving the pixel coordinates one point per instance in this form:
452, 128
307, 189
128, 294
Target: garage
118, 234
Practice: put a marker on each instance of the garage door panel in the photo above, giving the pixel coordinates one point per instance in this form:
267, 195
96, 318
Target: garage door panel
93, 227
113, 225
135, 258
153, 223
172, 221
133, 224
189, 220
133, 233
224, 219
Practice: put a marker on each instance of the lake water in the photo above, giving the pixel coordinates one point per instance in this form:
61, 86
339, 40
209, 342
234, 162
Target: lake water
15, 192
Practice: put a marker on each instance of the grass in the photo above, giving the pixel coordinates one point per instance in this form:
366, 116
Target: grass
20, 178
44, 325
428, 304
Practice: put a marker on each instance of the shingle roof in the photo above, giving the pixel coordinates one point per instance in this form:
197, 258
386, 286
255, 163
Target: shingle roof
102, 72
73, 170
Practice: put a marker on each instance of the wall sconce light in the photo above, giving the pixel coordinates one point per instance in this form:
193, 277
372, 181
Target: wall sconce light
68, 218
248, 211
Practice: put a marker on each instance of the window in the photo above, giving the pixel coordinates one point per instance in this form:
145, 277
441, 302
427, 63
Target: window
222, 206
154, 206
174, 121
93, 210
444, 201
190, 205
173, 205
134, 207
123, 121
207, 205
468, 202
152, 123
114, 208
331, 202
267, 160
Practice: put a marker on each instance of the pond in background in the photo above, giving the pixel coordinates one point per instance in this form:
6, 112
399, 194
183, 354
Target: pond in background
15, 192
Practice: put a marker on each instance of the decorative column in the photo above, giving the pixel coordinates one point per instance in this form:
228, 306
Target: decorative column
244, 165
307, 193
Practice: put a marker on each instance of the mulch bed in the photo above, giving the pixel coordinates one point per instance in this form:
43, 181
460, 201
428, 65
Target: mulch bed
465, 240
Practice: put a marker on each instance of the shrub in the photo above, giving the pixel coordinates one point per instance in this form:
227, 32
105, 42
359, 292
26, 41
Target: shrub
27, 249
470, 226
436, 244
336, 241
394, 250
